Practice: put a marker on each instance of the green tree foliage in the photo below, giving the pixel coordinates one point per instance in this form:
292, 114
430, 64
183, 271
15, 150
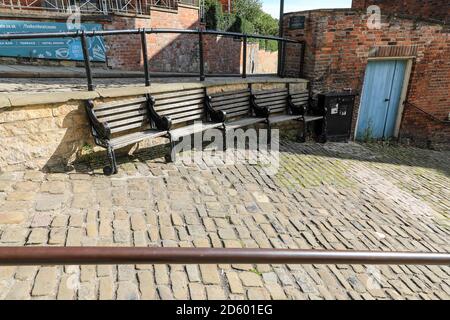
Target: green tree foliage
247, 17
249, 10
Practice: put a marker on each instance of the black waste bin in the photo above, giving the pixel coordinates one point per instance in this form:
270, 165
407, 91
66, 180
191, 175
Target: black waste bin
337, 110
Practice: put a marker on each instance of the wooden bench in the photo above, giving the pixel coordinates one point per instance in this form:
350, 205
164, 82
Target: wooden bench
121, 123
282, 106
239, 110
185, 108
302, 99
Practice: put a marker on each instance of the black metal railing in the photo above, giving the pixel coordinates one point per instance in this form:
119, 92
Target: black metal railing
83, 35
432, 116
166, 4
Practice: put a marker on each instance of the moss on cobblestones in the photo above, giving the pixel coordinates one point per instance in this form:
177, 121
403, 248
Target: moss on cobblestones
426, 174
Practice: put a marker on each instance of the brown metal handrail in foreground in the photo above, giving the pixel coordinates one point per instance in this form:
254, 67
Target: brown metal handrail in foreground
143, 255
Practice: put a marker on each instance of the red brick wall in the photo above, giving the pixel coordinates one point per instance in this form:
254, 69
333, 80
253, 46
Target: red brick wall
225, 5
339, 44
123, 51
174, 52
219, 60
167, 52
433, 9
180, 53
223, 55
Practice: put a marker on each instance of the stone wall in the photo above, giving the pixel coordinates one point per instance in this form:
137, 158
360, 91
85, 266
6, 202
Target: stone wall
42, 135
50, 130
339, 44
430, 9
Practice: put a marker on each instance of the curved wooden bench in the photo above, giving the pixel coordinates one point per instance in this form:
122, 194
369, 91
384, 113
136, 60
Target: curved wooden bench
239, 109
301, 99
125, 122
283, 106
187, 109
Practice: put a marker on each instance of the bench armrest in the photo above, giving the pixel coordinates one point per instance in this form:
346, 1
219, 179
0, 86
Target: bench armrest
295, 109
260, 111
217, 116
100, 130
162, 123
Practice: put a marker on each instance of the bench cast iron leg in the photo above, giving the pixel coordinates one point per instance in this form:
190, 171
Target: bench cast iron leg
225, 146
112, 168
302, 138
171, 157
269, 133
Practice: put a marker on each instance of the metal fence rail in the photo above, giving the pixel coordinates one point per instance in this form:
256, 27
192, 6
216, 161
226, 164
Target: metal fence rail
135, 255
83, 35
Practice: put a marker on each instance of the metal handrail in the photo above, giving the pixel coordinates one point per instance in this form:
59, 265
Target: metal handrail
432, 116
200, 32
14, 256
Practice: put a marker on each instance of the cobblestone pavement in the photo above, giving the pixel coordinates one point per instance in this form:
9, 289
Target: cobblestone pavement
333, 196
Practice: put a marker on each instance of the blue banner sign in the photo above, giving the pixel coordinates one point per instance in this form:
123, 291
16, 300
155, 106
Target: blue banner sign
56, 48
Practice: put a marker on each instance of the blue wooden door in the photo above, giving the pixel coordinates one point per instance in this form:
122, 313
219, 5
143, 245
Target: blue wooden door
378, 112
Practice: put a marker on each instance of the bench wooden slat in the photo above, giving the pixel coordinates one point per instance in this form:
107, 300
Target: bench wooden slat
300, 94
242, 105
283, 118
312, 118
179, 99
182, 114
127, 127
134, 137
121, 103
229, 93
237, 107
273, 104
115, 124
173, 112
271, 101
300, 100
127, 115
108, 112
171, 94
272, 98
261, 94
232, 101
198, 103
231, 97
237, 114
186, 119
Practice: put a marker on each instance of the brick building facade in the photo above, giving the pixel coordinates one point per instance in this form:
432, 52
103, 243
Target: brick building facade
173, 53
227, 5
340, 43
429, 9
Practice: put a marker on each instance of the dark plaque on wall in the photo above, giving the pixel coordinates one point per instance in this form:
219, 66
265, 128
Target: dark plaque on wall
297, 22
